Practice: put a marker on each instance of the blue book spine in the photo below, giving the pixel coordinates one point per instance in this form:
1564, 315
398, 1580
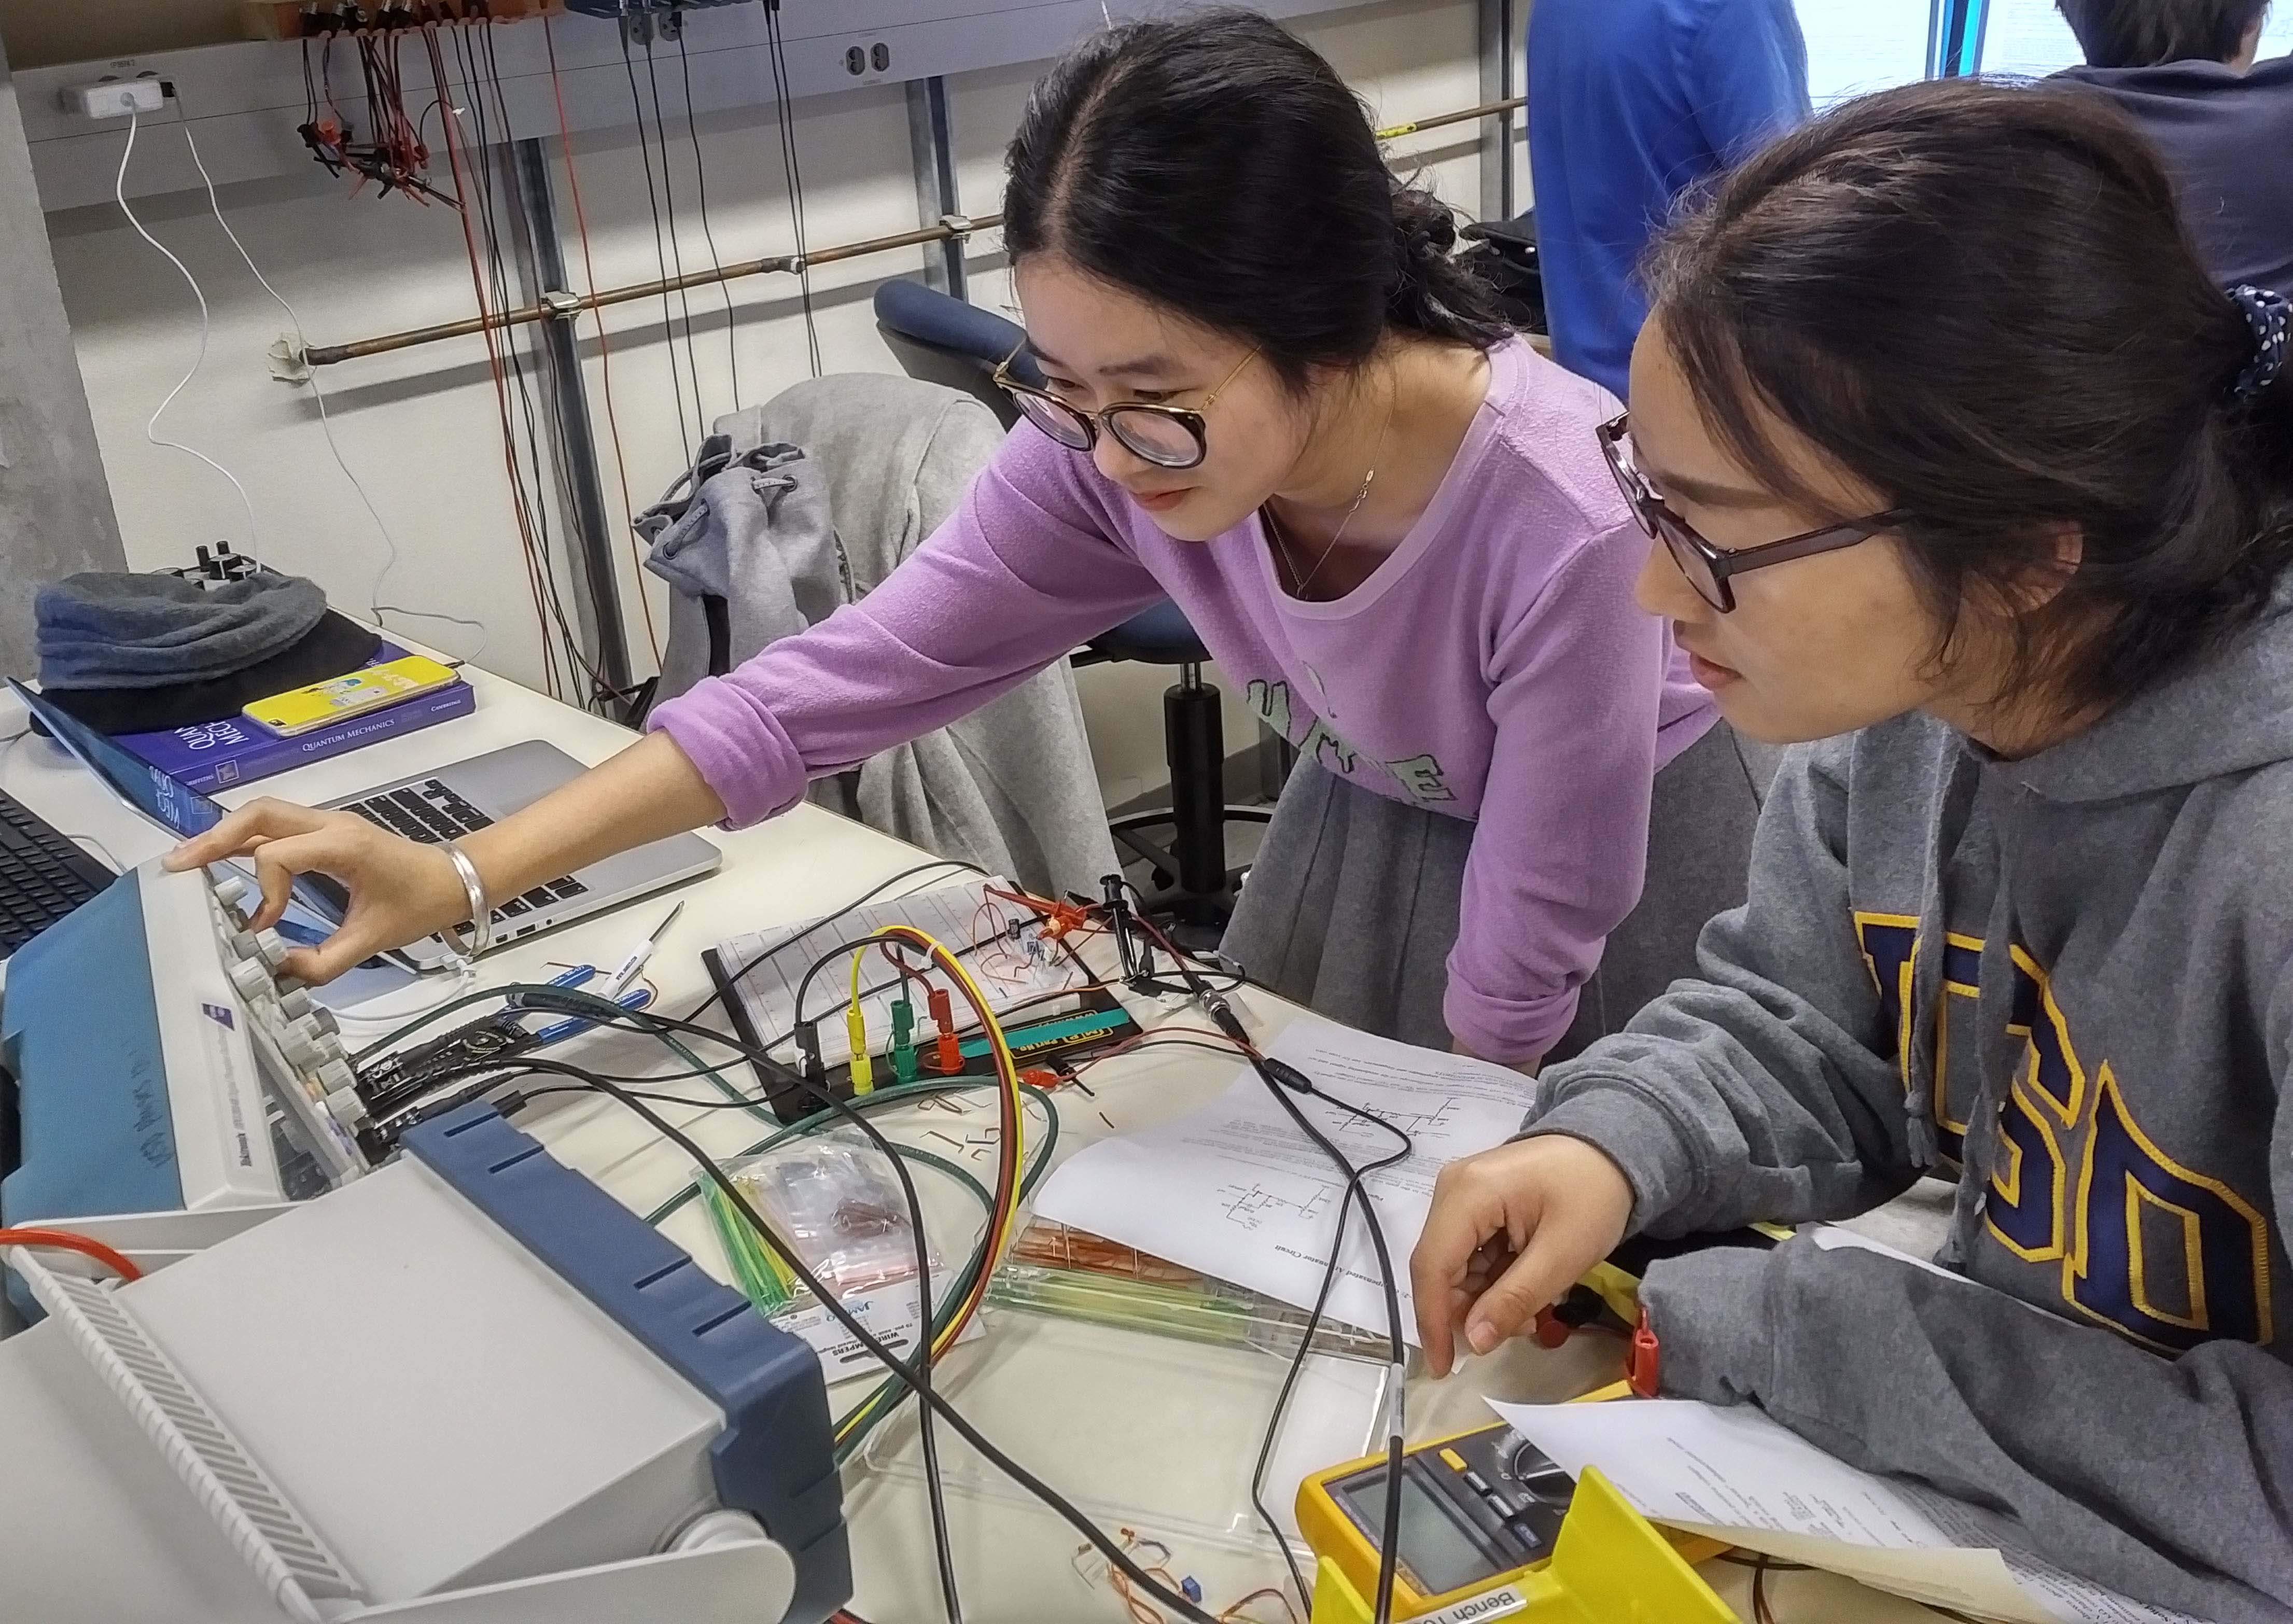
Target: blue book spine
223, 754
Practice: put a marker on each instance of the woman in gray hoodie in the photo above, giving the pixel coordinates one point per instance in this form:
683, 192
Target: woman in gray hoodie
1963, 470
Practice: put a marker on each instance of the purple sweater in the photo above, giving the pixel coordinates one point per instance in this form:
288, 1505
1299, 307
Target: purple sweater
1494, 668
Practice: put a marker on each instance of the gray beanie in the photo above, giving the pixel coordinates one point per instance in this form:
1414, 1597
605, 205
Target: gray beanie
160, 631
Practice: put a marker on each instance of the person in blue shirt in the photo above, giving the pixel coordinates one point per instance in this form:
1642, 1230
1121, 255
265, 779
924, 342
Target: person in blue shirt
1631, 103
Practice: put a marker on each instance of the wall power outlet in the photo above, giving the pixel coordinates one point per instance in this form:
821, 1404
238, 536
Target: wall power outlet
116, 98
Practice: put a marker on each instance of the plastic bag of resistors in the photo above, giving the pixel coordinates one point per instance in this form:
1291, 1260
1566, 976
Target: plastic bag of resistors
831, 1197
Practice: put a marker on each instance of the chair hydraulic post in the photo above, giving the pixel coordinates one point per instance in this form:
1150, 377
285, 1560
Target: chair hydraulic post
1195, 741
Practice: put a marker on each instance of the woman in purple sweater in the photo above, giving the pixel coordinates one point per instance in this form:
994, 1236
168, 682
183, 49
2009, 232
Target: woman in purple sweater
1273, 398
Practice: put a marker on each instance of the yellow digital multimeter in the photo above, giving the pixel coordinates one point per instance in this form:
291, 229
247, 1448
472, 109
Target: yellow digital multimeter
1476, 1509
1484, 1514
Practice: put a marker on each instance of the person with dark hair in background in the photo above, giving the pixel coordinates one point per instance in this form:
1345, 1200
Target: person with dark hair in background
2184, 71
1631, 104
1961, 464
1273, 398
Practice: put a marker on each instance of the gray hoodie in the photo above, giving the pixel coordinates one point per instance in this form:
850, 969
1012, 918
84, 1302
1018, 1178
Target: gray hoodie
2066, 982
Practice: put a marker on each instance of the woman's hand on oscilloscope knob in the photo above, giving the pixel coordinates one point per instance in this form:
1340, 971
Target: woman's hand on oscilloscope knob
400, 892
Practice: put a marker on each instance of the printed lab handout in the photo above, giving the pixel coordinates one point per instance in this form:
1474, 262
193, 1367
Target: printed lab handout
1237, 1192
1737, 1475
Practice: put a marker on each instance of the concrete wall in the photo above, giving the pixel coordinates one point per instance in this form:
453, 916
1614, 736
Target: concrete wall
44, 31
55, 508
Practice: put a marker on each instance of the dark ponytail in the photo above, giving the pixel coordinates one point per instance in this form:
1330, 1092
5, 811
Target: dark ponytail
1218, 165
1979, 301
1434, 294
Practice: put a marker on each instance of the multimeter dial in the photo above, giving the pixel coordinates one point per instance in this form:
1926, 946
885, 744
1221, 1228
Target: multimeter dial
1533, 1476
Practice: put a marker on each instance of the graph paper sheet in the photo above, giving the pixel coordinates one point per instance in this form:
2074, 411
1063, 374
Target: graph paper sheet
972, 925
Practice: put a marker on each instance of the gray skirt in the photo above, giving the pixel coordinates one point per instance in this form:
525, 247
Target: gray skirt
1352, 907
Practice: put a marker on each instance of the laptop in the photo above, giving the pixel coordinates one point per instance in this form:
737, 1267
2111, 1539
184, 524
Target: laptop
429, 807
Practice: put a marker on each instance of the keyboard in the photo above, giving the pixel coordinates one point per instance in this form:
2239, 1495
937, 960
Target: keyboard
432, 814
44, 874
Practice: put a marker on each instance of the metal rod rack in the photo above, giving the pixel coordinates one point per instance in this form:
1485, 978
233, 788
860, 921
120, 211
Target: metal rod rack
954, 230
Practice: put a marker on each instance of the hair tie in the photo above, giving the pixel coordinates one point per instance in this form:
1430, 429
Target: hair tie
2270, 318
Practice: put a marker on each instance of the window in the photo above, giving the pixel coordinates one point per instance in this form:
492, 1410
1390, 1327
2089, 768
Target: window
1854, 46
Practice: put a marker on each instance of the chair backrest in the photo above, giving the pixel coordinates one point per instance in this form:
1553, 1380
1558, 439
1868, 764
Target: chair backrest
928, 365
943, 340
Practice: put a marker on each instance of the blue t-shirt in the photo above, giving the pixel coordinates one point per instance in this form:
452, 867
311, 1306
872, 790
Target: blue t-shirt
1631, 102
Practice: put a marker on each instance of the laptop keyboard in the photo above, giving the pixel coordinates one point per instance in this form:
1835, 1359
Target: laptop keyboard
432, 814
43, 875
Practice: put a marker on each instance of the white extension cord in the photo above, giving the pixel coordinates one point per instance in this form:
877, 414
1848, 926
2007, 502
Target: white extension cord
375, 606
151, 425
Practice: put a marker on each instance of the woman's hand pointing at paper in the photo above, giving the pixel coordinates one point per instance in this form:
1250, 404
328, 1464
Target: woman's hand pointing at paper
1510, 1229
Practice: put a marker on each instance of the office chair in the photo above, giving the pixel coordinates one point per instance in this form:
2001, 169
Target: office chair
947, 341
943, 340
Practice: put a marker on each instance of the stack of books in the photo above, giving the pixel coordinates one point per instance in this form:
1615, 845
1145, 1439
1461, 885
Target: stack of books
216, 756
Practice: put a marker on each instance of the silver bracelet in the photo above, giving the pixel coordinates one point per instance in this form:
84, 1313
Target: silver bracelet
482, 917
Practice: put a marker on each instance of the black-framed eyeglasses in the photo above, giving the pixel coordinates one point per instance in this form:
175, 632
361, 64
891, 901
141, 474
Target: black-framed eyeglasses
1709, 568
1167, 436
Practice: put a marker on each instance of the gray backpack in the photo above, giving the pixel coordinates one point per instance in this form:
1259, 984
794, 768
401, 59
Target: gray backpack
804, 504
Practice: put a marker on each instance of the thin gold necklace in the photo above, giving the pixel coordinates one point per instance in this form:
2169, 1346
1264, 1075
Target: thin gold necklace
1298, 586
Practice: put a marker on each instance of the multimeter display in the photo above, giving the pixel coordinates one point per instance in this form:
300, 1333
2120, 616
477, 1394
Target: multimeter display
1441, 1555
1474, 1509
